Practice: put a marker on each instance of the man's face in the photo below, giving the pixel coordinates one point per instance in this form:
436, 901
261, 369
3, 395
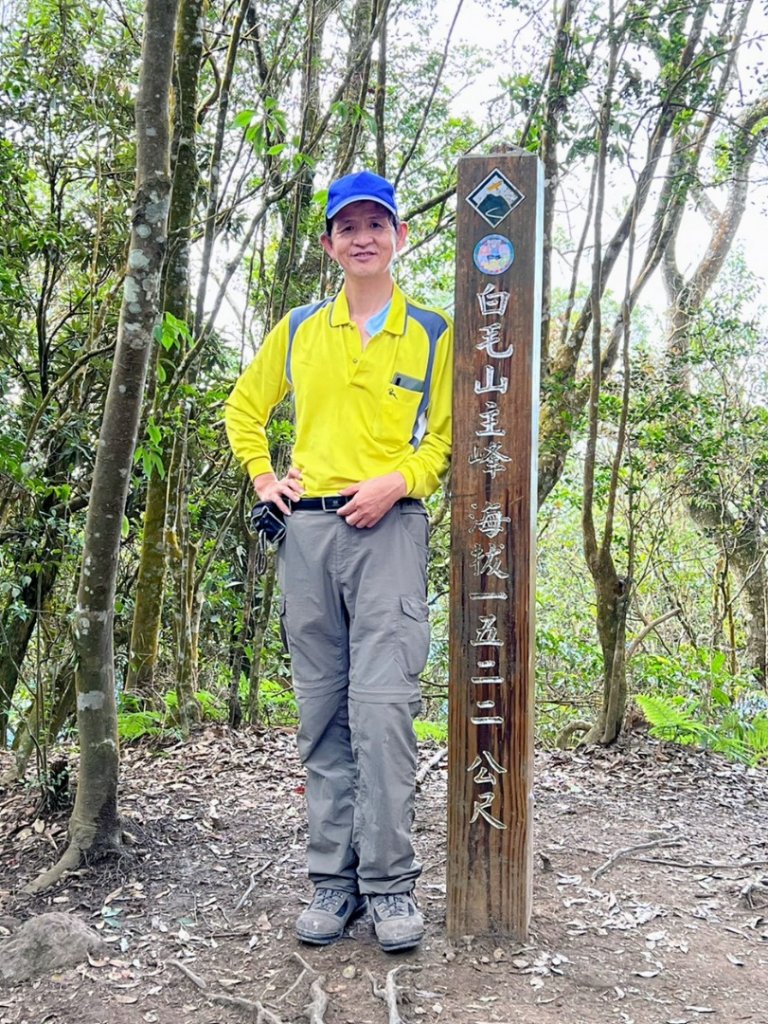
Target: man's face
363, 240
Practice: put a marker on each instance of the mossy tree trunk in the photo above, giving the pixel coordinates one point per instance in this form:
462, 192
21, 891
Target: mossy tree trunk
145, 635
94, 827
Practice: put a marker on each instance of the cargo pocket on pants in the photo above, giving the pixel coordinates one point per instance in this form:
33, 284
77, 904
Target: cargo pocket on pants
413, 635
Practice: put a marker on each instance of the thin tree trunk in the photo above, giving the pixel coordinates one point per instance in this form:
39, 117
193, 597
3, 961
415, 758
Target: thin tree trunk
37, 731
259, 632
148, 608
186, 555
749, 558
246, 632
94, 827
16, 631
611, 592
147, 616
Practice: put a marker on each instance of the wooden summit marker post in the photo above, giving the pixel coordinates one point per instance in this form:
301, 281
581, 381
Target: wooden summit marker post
493, 484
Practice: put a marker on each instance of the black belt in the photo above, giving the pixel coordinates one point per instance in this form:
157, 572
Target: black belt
336, 501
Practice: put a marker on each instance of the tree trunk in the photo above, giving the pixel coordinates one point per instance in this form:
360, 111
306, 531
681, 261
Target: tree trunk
148, 611
612, 595
94, 828
749, 558
743, 546
246, 632
147, 614
611, 592
185, 557
39, 732
259, 632
17, 630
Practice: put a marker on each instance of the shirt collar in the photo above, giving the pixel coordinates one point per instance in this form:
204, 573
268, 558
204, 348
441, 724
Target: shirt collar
395, 322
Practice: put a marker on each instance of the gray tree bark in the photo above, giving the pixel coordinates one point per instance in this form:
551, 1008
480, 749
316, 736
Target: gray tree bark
94, 828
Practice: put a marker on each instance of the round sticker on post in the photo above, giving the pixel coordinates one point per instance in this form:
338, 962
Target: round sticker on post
493, 254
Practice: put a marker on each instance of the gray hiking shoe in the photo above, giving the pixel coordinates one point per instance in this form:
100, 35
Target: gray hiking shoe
397, 920
326, 916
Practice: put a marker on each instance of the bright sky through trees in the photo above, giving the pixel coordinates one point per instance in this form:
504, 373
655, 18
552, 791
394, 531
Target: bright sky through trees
507, 36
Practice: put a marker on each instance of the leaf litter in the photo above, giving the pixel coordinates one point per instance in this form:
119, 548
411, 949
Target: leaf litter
215, 879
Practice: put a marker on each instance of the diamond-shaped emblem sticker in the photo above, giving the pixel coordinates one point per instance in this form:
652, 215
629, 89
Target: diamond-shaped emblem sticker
495, 198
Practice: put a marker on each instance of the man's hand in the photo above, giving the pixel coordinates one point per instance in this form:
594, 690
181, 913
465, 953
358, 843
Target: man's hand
269, 488
372, 499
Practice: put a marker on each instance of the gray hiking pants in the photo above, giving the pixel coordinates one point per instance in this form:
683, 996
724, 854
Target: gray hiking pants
355, 614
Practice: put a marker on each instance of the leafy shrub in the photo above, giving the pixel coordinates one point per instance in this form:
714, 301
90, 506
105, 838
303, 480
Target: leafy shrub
277, 703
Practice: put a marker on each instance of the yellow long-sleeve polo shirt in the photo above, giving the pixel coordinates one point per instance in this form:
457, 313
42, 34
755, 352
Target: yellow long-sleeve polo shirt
360, 412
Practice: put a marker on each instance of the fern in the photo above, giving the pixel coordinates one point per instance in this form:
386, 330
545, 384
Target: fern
132, 725
670, 720
757, 740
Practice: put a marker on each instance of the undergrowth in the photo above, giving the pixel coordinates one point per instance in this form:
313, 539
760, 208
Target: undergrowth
740, 732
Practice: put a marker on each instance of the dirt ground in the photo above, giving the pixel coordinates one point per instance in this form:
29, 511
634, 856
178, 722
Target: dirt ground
674, 933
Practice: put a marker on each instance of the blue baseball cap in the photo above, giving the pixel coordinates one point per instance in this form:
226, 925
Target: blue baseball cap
353, 188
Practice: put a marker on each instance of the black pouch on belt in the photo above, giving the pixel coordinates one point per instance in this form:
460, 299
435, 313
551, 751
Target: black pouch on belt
267, 521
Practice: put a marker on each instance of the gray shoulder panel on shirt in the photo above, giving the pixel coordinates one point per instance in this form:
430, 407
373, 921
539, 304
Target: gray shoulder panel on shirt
296, 318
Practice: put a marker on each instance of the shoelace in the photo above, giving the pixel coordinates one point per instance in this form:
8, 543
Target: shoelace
328, 899
394, 904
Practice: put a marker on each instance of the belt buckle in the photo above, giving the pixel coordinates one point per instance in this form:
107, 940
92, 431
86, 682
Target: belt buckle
323, 505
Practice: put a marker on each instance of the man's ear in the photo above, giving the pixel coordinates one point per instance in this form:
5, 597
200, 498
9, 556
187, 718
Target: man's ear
401, 233
327, 244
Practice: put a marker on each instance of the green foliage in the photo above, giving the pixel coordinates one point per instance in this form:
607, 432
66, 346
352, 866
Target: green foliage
136, 725
66, 163
212, 707
149, 454
675, 719
135, 722
435, 731
277, 704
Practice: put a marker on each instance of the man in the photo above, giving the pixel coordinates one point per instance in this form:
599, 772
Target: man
370, 372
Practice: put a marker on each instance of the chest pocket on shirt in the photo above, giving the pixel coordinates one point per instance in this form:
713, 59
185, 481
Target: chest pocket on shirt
397, 416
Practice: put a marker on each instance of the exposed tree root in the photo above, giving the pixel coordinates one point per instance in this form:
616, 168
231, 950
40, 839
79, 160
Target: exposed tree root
391, 991
627, 851
254, 1009
70, 860
254, 875
194, 978
75, 856
570, 730
315, 1010
699, 865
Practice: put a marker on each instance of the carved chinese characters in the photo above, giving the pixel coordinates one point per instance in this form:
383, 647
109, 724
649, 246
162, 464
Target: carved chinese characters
488, 553
498, 310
